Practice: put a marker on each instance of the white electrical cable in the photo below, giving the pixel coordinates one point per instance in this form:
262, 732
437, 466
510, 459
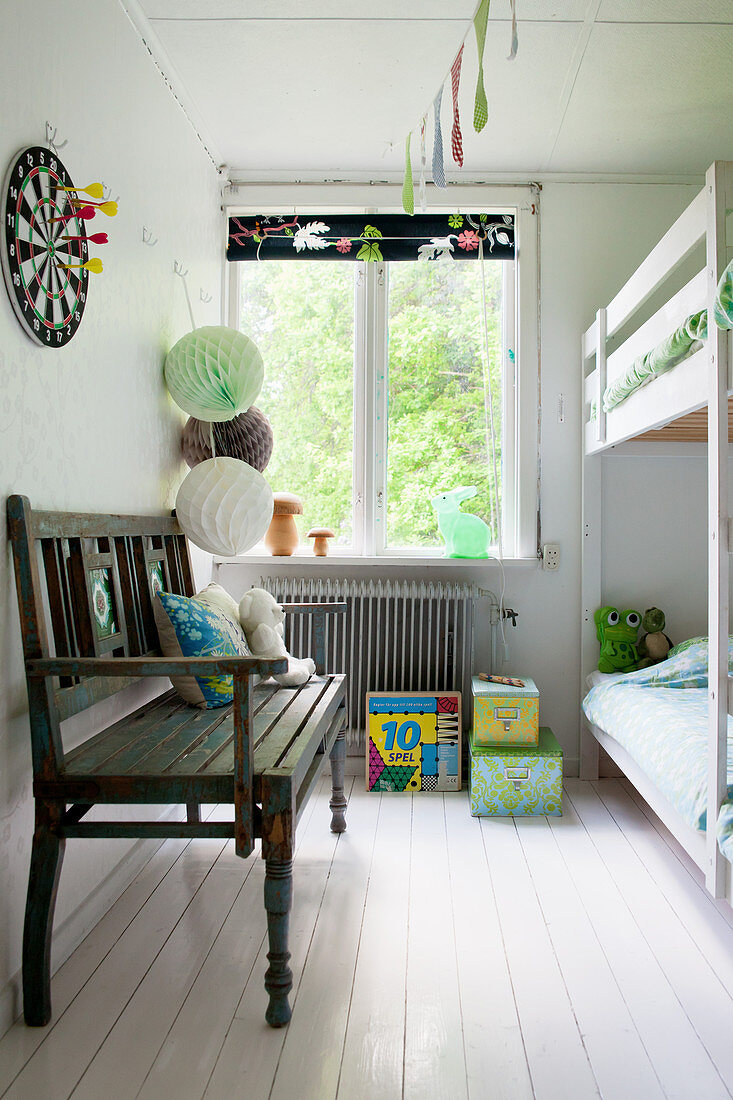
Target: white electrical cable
490, 433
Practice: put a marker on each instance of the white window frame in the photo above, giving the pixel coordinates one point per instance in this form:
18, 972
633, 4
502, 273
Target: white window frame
521, 376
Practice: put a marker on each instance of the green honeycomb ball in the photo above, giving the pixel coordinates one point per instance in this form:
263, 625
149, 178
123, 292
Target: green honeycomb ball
214, 373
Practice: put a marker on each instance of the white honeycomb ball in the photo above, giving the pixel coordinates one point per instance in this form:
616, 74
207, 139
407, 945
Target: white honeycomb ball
224, 506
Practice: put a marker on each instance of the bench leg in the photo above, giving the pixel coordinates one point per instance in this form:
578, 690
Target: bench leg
337, 805
46, 858
193, 813
278, 901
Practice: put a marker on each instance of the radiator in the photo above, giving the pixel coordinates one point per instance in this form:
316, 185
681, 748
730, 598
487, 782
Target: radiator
395, 636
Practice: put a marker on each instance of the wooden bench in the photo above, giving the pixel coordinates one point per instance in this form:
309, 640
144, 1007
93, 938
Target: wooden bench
262, 753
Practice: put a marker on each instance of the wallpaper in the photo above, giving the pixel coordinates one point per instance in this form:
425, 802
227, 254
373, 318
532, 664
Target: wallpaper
90, 426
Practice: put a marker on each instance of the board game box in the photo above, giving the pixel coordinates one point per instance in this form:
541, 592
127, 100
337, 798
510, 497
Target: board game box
413, 741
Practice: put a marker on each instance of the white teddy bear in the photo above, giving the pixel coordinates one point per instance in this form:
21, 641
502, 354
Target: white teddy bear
262, 621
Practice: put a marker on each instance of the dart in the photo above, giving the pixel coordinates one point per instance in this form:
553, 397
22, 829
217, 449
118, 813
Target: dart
94, 189
86, 212
94, 265
95, 238
109, 208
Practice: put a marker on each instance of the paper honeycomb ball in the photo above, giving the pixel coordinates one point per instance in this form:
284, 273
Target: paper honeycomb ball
214, 372
224, 506
247, 437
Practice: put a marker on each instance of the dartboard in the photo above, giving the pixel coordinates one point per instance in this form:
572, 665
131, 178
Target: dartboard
43, 250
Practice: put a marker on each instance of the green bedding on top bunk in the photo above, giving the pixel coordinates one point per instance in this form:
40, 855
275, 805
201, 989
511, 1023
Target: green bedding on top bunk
669, 352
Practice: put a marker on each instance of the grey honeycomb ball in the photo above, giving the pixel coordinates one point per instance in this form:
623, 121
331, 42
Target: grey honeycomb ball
247, 437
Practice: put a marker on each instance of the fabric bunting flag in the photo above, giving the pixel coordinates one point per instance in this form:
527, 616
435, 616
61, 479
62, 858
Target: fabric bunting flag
481, 109
456, 139
438, 165
515, 40
408, 192
423, 166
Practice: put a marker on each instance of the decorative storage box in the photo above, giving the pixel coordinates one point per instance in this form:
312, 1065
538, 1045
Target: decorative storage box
517, 780
505, 715
413, 741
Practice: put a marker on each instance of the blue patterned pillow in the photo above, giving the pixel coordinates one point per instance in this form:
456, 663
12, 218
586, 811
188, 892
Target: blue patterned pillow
192, 627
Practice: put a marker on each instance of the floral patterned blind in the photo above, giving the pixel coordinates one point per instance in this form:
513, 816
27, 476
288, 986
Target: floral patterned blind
374, 237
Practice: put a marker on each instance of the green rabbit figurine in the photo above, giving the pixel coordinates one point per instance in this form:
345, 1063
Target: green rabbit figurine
465, 535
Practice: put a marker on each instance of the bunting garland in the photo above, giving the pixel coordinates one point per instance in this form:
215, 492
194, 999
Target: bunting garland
480, 111
515, 40
408, 191
423, 166
456, 140
438, 166
481, 107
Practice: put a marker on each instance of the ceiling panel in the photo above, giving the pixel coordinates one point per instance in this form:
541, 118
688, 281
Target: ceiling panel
666, 11
524, 98
552, 10
650, 99
317, 96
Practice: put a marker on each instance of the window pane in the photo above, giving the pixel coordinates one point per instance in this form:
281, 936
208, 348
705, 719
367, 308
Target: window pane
301, 316
437, 437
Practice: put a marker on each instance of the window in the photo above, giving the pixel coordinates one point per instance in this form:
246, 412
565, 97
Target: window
376, 387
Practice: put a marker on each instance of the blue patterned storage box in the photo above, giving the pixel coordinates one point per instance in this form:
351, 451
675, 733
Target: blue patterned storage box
517, 780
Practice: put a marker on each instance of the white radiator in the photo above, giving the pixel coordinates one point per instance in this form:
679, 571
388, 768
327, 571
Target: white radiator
395, 636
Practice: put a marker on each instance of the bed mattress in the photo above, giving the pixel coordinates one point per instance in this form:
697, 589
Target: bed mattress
659, 716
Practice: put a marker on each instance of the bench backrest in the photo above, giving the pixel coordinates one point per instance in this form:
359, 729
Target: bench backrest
86, 585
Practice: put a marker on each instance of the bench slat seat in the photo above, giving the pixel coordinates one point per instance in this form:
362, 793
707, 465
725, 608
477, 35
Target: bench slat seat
173, 741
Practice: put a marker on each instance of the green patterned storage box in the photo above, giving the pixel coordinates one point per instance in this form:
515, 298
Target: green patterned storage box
504, 714
517, 780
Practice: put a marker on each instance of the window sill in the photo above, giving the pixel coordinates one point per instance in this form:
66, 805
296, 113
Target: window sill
403, 561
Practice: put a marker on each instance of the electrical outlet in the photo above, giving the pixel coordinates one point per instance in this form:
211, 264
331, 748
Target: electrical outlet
551, 556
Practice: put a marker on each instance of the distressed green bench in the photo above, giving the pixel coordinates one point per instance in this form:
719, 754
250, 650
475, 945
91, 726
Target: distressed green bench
262, 754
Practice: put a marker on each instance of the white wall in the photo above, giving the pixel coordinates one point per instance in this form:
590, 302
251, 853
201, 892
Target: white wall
593, 236
655, 537
90, 427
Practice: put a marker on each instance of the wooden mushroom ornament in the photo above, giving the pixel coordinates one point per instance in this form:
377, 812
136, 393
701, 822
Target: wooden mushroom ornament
320, 536
282, 534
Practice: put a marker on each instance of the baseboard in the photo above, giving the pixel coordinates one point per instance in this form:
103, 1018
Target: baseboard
70, 933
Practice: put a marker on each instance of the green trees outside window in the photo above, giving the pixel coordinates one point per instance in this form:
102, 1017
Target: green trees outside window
302, 316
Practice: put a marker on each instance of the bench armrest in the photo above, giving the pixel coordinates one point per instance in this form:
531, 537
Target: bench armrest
311, 608
155, 666
319, 612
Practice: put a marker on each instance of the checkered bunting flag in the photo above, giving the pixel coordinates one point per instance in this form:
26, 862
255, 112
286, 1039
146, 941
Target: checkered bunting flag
481, 109
438, 165
456, 139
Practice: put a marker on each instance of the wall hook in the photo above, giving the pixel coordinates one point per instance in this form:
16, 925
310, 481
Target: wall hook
148, 237
107, 195
205, 298
178, 269
51, 142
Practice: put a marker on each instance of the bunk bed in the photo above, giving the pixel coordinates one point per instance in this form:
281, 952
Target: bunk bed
689, 398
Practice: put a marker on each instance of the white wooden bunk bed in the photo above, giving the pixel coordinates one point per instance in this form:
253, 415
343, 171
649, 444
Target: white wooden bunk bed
677, 399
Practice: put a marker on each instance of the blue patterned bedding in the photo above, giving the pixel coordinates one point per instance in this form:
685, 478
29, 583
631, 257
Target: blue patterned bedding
659, 715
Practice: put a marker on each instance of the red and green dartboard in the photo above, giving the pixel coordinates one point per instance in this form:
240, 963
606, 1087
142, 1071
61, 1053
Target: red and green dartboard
43, 257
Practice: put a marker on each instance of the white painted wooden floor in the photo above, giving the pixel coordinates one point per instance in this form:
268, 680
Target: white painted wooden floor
435, 956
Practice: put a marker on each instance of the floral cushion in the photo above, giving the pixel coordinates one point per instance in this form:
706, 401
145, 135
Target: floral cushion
200, 626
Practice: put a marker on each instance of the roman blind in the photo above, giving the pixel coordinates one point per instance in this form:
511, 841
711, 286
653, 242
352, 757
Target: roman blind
375, 237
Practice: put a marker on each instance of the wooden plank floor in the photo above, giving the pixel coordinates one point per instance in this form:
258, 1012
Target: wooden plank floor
435, 957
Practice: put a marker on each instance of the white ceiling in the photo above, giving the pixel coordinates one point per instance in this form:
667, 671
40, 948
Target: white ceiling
295, 87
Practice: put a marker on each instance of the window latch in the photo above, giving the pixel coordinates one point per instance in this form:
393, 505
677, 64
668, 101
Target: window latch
380, 498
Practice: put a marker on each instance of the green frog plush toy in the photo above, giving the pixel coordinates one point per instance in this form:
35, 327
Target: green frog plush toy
617, 632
